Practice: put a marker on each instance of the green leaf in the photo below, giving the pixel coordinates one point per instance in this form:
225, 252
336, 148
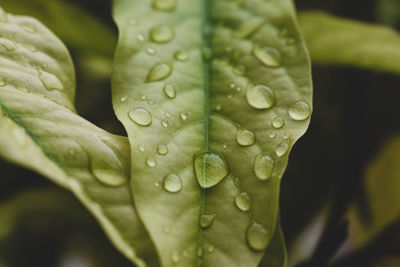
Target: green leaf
40, 129
382, 191
213, 94
338, 41
276, 253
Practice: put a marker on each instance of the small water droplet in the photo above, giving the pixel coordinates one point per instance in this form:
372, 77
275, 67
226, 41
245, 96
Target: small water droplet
150, 51
164, 5
50, 81
164, 123
248, 28
7, 44
172, 183
281, 149
162, 149
272, 135
151, 102
140, 116
238, 89
286, 136
2, 82
151, 161
175, 256
236, 181
156, 184
159, 72
218, 107
209, 168
257, 237
169, 91
263, 166
269, 56
143, 97
22, 88
210, 249
206, 220
300, 111
181, 55
140, 37
239, 70
245, 137
232, 85
260, 96
183, 115
278, 123
243, 201
167, 114
161, 34
199, 252
225, 146
28, 27
123, 98
71, 151
142, 148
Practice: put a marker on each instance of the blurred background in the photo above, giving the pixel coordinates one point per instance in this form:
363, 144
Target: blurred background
340, 200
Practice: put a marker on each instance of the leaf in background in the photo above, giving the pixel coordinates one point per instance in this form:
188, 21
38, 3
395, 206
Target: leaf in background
39, 129
276, 253
382, 191
213, 95
337, 41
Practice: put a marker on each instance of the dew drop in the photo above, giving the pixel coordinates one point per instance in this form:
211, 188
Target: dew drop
164, 5
181, 55
175, 256
28, 27
232, 85
141, 117
210, 249
140, 37
225, 146
169, 91
263, 166
269, 56
183, 115
243, 201
172, 183
161, 34
7, 44
245, 137
286, 136
151, 102
123, 98
257, 237
218, 107
237, 181
162, 149
151, 161
206, 220
142, 148
238, 89
272, 135
209, 169
50, 81
300, 111
260, 96
156, 184
159, 72
167, 114
281, 149
164, 123
2, 82
150, 51
278, 123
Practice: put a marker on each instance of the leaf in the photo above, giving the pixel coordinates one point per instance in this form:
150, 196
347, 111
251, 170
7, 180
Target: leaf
40, 129
276, 253
382, 191
338, 41
191, 79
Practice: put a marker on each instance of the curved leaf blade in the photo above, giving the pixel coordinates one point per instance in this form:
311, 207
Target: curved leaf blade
182, 73
39, 129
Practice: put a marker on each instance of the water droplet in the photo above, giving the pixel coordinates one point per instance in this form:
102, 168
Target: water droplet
206, 220
286, 136
263, 166
150, 51
161, 34
164, 5
225, 146
3, 15
142, 148
22, 88
167, 114
2, 82
140, 37
281, 149
199, 252
159, 72
28, 27
181, 55
239, 70
164, 123
175, 256
300, 111
248, 28
269, 56
108, 177
243, 201
166, 229
238, 89
209, 169
140, 116
232, 85
210, 249
143, 97
257, 237
169, 91
272, 135
151, 102
260, 96
245, 137
236, 181
172, 183
7, 44
162, 149
183, 115
50, 81
123, 98
156, 184
278, 123
218, 107
151, 161
229, 96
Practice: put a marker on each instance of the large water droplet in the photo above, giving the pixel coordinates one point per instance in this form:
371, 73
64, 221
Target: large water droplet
209, 169
263, 166
161, 34
108, 177
7, 44
164, 5
159, 72
172, 183
260, 96
281, 149
278, 123
162, 149
169, 90
206, 220
300, 111
257, 237
151, 161
243, 201
50, 81
140, 116
268, 56
2, 82
181, 55
245, 137
28, 27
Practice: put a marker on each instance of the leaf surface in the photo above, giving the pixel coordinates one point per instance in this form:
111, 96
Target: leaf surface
40, 129
333, 40
213, 94
276, 253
